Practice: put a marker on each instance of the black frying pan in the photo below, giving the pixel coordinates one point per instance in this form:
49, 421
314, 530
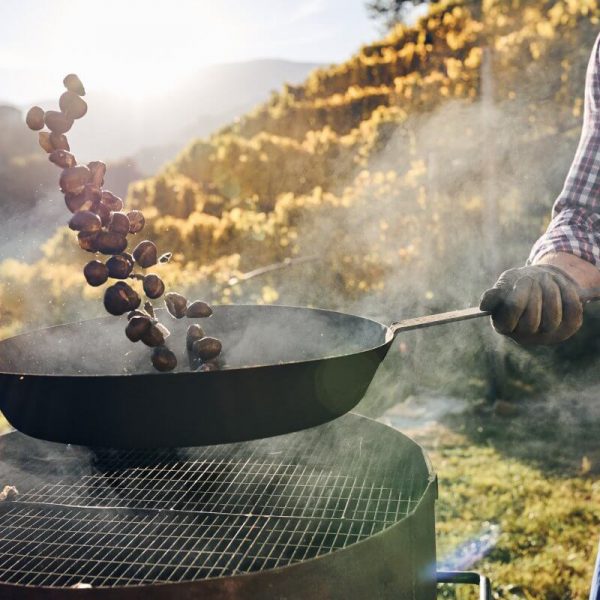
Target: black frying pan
283, 369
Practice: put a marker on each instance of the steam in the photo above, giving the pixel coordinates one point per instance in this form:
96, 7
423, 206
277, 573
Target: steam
473, 550
464, 161
252, 336
467, 198
22, 235
458, 182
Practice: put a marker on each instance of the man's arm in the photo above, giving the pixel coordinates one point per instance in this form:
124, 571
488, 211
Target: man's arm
585, 274
539, 303
575, 226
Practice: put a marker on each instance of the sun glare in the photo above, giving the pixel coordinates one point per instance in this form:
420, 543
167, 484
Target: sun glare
140, 49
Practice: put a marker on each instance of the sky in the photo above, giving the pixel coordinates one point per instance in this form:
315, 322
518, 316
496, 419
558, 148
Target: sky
141, 47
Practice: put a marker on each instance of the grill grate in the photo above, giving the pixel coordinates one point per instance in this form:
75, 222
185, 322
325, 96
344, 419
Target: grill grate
242, 488
55, 548
167, 516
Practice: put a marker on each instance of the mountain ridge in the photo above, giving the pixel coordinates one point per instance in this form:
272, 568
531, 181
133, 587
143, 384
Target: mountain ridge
113, 120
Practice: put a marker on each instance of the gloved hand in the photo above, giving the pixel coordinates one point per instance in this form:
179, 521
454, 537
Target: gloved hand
538, 304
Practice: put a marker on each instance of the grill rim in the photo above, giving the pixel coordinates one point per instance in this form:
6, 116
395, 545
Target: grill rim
241, 580
126, 590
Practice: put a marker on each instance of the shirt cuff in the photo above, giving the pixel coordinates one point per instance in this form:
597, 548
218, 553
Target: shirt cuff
572, 232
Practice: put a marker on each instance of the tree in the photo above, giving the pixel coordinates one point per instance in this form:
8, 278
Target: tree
390, 12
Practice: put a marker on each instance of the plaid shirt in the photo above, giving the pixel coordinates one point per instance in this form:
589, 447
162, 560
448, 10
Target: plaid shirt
575, 225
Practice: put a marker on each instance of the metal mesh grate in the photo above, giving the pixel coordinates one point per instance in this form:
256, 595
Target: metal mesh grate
62, 547
146, 517
241, 488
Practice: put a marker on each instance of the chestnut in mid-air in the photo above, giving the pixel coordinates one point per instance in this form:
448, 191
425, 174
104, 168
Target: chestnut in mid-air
120, 298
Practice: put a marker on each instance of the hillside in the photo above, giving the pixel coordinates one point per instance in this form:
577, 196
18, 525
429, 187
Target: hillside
403, 172
374, 162
32, 205
152, 130
134, 138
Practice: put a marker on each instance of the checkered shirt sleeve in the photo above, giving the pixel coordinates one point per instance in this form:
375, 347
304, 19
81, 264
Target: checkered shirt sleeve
575, 225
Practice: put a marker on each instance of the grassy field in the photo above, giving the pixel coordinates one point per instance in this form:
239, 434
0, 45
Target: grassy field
537, 477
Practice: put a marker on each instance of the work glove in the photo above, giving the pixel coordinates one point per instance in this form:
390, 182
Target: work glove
539, 304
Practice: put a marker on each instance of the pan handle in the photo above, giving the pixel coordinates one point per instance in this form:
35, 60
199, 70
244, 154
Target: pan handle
587, 295
438, 319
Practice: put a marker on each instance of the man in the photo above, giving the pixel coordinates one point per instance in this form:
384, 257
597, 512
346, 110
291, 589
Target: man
540, 303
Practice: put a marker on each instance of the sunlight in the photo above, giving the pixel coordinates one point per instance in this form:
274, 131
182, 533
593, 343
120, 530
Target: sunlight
137, 49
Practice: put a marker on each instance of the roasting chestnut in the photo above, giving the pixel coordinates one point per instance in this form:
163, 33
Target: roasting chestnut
98, 170
57, 121
120, 298
85, 200
87, 240
136, 221
72, 105
85, 221
119, 223
120, 266
73, 179
96, 273
35, 118
112, 202
198, 310
73, 84
153, 337
176, 304
102, 226
45, 143
62, 158
207, 348
145, 254
163, 359
153, 286
103, 213
194, 333
109, 242
137, 327
59, 141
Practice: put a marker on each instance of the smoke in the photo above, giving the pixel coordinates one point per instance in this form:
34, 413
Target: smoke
251, 336
454, 198
473, 550
23, 234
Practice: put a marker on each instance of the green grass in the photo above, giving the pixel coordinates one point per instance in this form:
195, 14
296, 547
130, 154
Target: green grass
535, 476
